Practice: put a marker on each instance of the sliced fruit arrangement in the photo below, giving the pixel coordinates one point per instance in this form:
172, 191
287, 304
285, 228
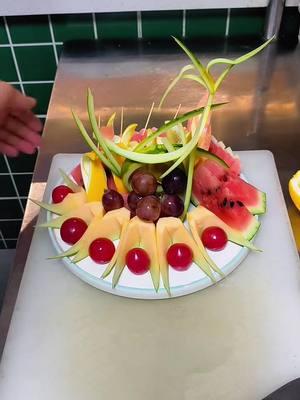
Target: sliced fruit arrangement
137, 249
201, 219
109, 227
137, 185
170, 232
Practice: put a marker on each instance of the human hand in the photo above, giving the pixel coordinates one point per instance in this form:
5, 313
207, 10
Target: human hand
19, 127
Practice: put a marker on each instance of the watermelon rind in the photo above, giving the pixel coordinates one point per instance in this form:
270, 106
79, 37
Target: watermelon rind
251, 230
207, 154
261, 206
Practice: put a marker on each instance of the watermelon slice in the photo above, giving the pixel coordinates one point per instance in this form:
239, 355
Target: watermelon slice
226, 154
245, 194
228, 197
212, 179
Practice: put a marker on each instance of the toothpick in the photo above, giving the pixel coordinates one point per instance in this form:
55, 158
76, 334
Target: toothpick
149, 116
177, 111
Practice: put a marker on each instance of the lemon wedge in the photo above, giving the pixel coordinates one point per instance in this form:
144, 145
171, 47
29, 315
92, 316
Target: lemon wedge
294, 189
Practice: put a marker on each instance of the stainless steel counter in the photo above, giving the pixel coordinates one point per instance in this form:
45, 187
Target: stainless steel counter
263, 113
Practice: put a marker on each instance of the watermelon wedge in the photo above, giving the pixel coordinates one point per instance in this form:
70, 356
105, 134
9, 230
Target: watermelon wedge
228, 197
212, 179
226, 154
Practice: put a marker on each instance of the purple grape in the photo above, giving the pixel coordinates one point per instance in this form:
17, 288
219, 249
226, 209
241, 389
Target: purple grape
148, 208
132, 200
171, 206
174, 182
112, 200
143, 183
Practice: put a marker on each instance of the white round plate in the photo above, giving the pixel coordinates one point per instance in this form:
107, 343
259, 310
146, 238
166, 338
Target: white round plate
140, 286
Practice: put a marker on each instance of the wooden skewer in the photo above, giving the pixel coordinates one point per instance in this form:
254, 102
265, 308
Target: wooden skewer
177, 111
149, 116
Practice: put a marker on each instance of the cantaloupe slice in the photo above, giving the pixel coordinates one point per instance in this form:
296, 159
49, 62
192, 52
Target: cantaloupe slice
201, 218
137, 233
130, 240
86, 212
163, 242
170, 231
70, 202
121, 245
148, 243
110, 227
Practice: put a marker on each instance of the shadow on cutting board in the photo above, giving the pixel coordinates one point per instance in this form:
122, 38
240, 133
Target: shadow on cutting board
290, 391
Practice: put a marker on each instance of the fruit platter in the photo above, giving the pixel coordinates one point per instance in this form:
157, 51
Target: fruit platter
156, 212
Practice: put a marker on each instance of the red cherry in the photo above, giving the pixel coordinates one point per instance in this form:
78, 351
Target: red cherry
180, 256
60, 192
137, 261
101, 250
72, 230
214, 238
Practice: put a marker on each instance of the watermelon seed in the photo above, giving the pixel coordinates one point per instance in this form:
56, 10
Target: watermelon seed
231, 204
240, 203
225, 179
225, 202
209, 192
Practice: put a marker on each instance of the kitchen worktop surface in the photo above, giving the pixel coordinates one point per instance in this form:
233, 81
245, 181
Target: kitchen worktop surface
263, 113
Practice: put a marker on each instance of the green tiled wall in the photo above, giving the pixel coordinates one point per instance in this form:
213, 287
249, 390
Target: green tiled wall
250, 24
114, 25
66, 27
158, 24
31, 45
203, 23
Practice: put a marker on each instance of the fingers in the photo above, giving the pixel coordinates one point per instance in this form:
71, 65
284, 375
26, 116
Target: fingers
8, 150
20, 144
6, 94
29, 119
18, 128
22, 102
12, 99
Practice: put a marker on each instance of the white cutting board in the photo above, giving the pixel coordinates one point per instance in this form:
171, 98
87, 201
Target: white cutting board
237, 340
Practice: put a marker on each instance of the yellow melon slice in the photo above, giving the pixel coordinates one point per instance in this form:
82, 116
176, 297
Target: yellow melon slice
201, 218
70, 202
170, 231
137, 233
86, 212
110, 227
